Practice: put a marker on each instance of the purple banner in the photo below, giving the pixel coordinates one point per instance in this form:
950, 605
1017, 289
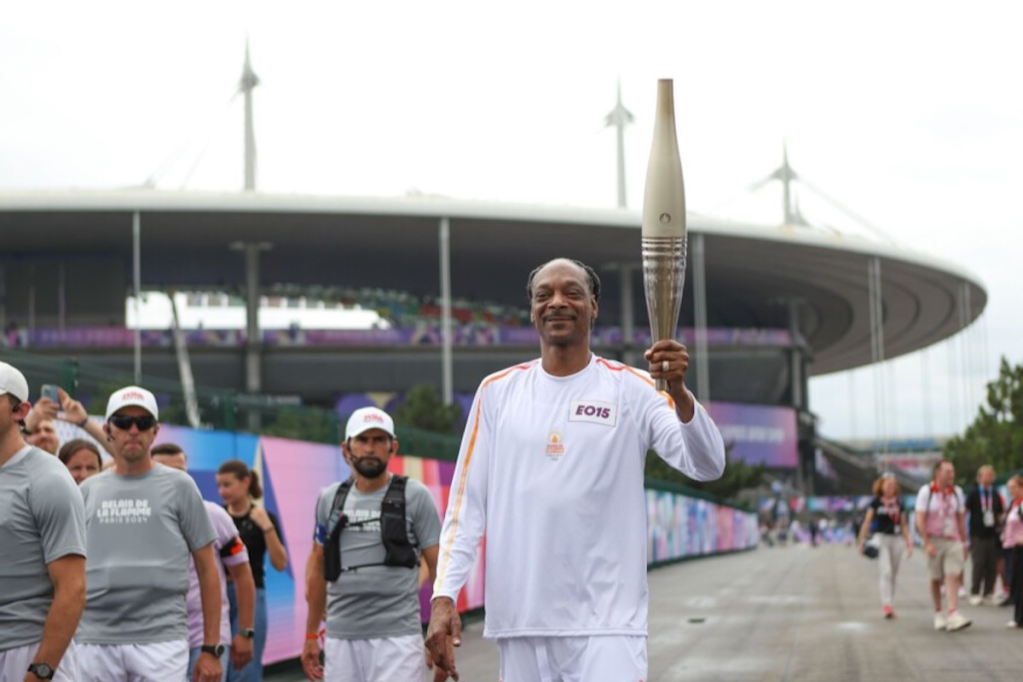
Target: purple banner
426, 334
760, 434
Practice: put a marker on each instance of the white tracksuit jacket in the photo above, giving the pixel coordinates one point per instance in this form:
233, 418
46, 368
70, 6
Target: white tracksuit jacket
551, 468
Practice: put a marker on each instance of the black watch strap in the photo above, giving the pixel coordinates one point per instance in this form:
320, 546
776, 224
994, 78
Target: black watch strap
216, 650
41, 670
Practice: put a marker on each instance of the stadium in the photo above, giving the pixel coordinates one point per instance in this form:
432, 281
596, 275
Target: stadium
765, 307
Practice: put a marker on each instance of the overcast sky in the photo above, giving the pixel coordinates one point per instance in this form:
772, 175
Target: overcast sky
909, 113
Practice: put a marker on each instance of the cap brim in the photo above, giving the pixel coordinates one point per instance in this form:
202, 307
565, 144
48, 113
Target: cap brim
370, 427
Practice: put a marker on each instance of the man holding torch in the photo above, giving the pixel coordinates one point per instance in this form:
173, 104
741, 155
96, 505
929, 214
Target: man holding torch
551, 467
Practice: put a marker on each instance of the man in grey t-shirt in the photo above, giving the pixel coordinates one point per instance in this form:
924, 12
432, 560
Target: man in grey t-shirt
374, 628
42, 550
144, 521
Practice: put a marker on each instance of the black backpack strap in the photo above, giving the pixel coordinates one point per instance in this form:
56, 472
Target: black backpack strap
336, 522
393, 526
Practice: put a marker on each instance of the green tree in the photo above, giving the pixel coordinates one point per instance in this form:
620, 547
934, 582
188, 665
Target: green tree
738, 476
310, 424
996, 435
424, 409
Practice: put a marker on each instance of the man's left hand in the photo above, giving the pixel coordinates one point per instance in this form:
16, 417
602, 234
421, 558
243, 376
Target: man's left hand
669, 360
207, 669
241, 651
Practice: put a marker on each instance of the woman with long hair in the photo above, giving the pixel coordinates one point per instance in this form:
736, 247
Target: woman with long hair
1012, 539
259, 529
82, 459
886, 516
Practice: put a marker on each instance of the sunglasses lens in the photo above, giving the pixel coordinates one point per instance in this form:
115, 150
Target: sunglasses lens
125, 423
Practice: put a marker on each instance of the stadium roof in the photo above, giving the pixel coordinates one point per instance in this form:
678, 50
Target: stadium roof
393, 243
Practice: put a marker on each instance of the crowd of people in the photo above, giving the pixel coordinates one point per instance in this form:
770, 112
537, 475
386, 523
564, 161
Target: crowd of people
125, 575
143, 579
952, 527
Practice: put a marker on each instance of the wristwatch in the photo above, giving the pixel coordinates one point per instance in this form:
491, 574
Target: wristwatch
216, 651
41, 670
247, 632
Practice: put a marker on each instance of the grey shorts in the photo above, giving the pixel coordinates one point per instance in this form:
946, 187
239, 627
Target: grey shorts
948, 560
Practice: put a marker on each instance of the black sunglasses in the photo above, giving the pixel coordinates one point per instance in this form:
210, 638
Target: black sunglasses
125, 423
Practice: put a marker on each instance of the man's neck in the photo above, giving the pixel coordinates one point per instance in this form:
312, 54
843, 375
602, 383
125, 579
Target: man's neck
125, 468
563, 361
11, 445
370, 485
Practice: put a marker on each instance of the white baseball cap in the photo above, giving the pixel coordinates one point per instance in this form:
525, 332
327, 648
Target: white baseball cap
366, 418
133, 395
12, 381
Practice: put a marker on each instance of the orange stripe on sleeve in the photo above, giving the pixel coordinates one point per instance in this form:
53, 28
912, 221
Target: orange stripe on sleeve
645, 378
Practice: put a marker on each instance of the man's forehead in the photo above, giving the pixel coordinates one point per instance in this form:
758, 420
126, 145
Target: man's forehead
373, 433
132, 411
559, 268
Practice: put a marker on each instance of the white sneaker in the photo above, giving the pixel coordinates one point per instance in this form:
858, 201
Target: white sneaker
939, 622
1011, 624
957, 622
976, 600
994, 600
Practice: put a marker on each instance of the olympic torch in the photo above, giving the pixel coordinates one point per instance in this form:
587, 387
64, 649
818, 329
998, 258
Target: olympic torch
664, 224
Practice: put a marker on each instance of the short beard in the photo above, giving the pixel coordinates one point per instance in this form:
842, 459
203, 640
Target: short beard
134, 456
367, 469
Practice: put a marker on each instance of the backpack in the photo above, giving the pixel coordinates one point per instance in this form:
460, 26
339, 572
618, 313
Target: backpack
393, 531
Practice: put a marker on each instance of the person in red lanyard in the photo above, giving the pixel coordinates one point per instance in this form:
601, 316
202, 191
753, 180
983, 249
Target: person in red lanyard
941, 522
886, 517
987, 510
1012, 539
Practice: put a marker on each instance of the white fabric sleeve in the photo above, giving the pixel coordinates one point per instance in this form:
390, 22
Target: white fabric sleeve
694, 448
921, 499
466, 517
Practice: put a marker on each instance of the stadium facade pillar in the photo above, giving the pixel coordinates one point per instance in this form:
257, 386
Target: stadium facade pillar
625, 272
3, 298
806, 427
253, 340
875, 293
700, 310
136, 251
447, 361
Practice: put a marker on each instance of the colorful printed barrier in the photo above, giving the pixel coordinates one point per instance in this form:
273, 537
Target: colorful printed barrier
679, 527
424, 334
294, 472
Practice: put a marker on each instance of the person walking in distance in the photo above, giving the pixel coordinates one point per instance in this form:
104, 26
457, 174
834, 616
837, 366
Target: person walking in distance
259, 529
234, 560
551, 466
987, 512
42, 550
144, 524
887, 516
941, 523
1012, 540
372, 531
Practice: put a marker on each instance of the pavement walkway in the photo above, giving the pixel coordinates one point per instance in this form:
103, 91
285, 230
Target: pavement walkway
796, 614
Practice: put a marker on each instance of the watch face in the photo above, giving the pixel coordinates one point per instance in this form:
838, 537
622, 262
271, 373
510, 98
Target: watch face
41, 670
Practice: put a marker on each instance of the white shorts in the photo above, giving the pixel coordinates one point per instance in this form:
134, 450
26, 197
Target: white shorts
386, 659
153, 662
14, 663
608, 658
